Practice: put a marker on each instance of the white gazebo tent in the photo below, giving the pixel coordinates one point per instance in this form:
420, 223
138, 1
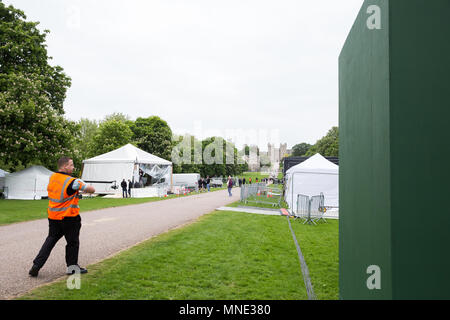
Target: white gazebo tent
311, 177
28, 184
109, 169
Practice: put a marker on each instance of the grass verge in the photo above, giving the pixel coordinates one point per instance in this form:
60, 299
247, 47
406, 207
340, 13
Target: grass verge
224, 255
320, 247
253, 175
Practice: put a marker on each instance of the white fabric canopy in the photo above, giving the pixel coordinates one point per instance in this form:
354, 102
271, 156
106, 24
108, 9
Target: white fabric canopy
311, 177
28, 184
123, 163
127, 154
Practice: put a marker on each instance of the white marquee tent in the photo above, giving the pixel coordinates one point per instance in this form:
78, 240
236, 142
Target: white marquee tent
311, 177
125, 163
28, 184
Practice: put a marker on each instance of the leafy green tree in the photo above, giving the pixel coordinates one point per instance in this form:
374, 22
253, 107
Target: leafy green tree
33, 129
111, 134
211, 157
186, 164
153, 135
300, 149
118, 116
85, 137
328, 145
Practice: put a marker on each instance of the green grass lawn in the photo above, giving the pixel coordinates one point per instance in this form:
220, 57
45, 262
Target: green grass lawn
224, 255
253, 175
320, 247
12, 211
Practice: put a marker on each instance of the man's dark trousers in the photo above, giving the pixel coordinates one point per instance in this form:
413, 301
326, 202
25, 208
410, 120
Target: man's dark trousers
69, 227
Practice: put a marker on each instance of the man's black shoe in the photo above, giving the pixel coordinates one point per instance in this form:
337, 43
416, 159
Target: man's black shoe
33, 271
75, 269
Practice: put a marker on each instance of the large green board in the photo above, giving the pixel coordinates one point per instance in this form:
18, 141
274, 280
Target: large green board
394, 125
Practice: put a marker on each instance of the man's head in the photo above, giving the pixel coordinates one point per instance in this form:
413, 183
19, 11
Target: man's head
65, 164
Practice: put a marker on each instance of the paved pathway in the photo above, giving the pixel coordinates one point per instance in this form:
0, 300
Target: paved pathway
269, 212
103, 233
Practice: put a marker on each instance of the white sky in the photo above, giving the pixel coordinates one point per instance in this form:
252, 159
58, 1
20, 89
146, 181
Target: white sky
261, 68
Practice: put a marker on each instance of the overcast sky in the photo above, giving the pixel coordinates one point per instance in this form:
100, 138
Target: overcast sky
242, 67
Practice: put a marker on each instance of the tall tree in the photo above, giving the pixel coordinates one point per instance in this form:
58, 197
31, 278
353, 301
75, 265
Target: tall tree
327, 145
153, 135
111, 134
33, 129
300, 149
88, 129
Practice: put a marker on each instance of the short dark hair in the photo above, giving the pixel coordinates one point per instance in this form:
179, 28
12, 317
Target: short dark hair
63, 161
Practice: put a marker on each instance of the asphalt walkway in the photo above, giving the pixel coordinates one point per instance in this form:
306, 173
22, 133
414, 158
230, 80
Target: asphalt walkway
104, 233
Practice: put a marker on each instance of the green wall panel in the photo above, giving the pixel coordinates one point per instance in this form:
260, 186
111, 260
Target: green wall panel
365, 234
420, 148
394, 119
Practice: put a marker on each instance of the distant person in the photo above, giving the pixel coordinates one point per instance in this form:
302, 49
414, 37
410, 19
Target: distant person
240, 182
204, 184
208, 182
200, 185
130, 185
123, 184
63, 216
230, 186
243, 181
256, 180
250, 180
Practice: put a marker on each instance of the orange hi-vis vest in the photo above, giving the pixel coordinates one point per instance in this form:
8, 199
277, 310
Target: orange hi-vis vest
60, 204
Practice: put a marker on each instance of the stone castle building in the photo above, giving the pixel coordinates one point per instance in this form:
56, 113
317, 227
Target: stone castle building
272, 155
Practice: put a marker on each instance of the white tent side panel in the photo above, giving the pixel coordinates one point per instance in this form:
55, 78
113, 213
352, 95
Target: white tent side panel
312, 184
26, 187
107, 172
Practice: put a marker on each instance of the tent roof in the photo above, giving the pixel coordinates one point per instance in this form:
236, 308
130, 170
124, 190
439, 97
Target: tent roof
316, 163
33, 170
127, 153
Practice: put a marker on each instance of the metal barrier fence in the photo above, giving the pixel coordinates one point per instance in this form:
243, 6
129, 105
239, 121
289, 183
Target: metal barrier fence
302, 206
311, 210
261, 193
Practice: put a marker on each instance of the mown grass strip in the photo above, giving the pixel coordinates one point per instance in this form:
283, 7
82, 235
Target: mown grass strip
304, 266
320, 248
225, 255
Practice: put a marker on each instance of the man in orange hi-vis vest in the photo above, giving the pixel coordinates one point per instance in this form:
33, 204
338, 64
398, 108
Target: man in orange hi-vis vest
63, 216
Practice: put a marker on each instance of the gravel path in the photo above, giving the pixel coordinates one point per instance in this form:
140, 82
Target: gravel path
103, 233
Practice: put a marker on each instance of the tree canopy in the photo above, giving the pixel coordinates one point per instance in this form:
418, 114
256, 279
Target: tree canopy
300, 149
153, 135
111, 134
33, 129
212, 156
327, 146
